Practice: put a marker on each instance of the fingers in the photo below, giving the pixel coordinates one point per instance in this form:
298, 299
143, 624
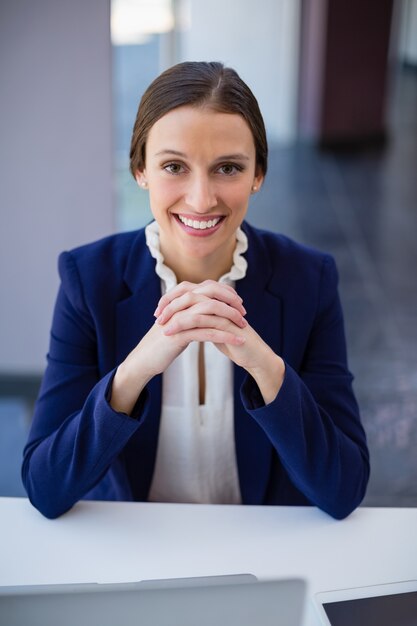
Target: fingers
178, 291
213, 335
208, 289
208, 311
187, 321
220, 291
192, 306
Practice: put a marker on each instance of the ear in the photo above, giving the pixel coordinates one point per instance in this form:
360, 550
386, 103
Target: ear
257, 182
141, 180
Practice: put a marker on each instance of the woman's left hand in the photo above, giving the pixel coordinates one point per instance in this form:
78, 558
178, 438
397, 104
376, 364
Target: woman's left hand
254, 355
259, 360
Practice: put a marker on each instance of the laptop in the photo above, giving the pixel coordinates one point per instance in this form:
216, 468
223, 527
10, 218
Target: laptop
239, 600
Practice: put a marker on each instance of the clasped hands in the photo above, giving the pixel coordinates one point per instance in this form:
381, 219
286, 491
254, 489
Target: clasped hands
208, 311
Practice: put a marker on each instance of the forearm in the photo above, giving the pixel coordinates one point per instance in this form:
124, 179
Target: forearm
128, 384
269, 376
323, 451
60, 468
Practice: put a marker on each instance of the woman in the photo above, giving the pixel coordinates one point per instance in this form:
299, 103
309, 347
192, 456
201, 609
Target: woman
199, 359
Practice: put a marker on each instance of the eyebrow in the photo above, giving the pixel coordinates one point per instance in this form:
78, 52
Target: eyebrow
226, 157
168, 151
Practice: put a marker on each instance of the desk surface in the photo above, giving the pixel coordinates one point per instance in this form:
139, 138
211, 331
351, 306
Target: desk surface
110, 542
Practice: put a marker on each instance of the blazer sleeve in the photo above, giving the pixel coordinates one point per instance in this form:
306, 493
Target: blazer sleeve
75, 434
314, 422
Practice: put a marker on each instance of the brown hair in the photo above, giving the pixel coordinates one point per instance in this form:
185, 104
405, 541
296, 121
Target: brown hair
197, 83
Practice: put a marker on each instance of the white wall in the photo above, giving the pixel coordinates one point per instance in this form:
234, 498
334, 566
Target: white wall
258, 39
55, 134
55, 158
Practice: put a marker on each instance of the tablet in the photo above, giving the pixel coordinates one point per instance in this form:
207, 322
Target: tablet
393, 604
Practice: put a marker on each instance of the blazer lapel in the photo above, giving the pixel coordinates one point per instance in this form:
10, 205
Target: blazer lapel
134, 319
135, 312
253, 449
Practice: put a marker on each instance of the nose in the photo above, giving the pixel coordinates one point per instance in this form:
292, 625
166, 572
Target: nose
200, 194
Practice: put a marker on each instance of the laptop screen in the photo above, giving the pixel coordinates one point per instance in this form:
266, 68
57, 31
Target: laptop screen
269, 603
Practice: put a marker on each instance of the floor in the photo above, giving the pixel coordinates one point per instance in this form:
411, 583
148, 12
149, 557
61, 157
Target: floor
362, 208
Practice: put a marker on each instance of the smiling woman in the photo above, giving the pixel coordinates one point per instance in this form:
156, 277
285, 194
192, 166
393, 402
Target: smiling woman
200, 170
198, 359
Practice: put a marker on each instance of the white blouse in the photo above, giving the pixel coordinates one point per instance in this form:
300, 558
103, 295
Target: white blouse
196, 458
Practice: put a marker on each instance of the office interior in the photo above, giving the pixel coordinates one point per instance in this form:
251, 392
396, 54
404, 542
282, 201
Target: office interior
337, 84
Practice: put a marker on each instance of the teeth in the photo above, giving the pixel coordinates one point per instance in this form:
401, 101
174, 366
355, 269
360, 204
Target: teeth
199, 225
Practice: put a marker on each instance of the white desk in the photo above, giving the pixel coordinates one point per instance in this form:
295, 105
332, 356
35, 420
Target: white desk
109, 542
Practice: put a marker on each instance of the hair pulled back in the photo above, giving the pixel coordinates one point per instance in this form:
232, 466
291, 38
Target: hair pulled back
199, 84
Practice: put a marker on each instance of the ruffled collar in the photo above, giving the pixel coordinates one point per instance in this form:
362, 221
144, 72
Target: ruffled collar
167, 276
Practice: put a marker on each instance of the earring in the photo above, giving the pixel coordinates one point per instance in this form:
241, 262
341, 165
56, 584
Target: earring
144, 184
254, 188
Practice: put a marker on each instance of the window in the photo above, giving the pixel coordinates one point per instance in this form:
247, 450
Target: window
144, 42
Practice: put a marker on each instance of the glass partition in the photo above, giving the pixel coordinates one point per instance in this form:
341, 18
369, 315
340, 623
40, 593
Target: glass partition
145, 41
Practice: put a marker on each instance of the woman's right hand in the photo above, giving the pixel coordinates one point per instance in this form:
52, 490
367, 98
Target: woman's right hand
202, 312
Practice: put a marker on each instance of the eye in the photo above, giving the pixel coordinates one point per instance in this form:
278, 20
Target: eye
229, 169
173, 168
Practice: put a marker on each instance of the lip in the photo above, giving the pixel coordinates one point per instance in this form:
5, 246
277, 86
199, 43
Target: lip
206, 232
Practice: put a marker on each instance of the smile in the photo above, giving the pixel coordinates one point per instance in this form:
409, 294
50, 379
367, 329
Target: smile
199, 224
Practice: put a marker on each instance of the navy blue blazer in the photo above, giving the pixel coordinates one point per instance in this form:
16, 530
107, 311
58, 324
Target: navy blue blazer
306, 447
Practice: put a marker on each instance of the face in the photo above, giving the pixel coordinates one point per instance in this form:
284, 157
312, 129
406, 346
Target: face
200, 171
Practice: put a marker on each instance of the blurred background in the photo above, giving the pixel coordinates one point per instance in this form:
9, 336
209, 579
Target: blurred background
337, 83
